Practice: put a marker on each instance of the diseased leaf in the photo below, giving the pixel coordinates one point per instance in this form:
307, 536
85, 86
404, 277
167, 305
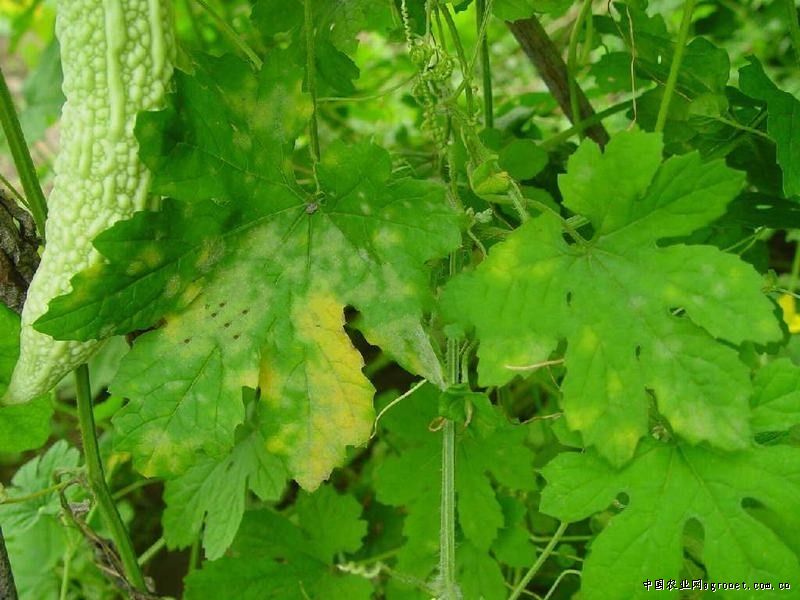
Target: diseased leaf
295, 558
258, 273
667, 485
637, 317
783, 121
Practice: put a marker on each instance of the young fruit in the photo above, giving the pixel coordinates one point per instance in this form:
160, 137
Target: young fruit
117, 60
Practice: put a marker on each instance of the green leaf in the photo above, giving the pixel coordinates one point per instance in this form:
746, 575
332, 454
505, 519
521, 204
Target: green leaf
258, 273
667, 486
274, 557
488, 449
614, 298
776, 402
705, 68
32, 478
34, 557
43, 95
23, 426
211, 495
783, 121
335, 68
513, 545
523, 159
479, 576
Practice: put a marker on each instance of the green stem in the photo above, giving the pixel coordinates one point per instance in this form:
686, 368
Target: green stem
794, 27
519, 203
572, 60
65, 573
121, 493
729, 146
371, 560
596, 118
97, 481
22, 157
311, 77
548, 550
148, 554
194, 554
234, 37
559, 579
447, 531
14, 191
34, 495
486, 67
462, 57
447, 528
675, 67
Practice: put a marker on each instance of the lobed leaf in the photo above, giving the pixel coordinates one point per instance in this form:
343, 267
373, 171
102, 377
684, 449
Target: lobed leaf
668, 485
639, 316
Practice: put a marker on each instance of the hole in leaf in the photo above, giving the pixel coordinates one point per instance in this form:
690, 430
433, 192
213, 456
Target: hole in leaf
765, 515
569, 298
638, 352
693, 541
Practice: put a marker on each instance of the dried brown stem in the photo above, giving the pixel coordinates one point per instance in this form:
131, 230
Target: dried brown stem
544, 55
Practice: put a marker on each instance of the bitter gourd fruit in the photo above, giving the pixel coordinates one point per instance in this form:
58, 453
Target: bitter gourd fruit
117, 58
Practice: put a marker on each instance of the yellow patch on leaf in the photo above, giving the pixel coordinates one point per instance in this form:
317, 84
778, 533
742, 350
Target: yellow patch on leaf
327, 391
788, 304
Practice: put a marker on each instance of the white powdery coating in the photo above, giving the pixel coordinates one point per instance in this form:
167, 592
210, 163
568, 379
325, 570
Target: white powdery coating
117, 59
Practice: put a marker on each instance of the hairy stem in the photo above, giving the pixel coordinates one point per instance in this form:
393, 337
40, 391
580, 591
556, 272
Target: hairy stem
486, 67
97, 481
447, 527
8, 591
675, 67
22, 157
311, 77
544, 55
548, 550
447, 531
